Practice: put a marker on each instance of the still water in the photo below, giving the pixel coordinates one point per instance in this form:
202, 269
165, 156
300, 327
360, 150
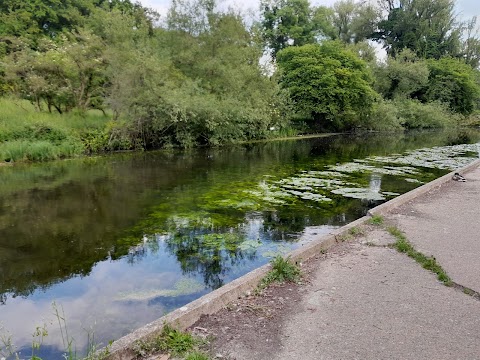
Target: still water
112, 243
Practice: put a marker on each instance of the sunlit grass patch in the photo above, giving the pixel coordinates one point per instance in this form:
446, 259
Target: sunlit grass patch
30, 135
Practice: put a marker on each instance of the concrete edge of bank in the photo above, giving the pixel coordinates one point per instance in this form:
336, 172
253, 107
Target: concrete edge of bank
187, 315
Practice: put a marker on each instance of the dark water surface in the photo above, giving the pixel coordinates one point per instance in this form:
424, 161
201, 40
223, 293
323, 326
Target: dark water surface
115, 242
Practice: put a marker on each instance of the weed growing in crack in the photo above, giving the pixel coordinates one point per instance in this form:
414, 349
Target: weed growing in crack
427, 262
376, 220
282, 270
468, 291
356, 231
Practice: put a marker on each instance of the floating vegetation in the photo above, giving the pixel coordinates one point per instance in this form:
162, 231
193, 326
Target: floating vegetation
225, 241
270, 193
308, 183
250, 245
444, 157
324, 174
309, 195
280, 249
363, 193
361, 167
414, 181
184, 286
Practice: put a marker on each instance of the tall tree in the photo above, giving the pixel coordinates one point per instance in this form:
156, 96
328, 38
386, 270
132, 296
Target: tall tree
328, 83
66, 74
427, 27
470, 51
454, 83
353, 21
291, 22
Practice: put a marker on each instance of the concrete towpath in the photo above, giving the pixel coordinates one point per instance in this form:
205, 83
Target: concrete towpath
365, 300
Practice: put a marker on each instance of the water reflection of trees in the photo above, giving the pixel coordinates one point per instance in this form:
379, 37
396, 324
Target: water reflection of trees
213, 261
58, 220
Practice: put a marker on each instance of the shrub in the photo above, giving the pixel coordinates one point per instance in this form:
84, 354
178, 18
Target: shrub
416, 115
384, 117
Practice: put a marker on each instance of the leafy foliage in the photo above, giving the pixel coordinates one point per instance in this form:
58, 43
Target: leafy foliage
291, 22
201, 88
197, 79
427, 27
453, 83
404, 76
328, 83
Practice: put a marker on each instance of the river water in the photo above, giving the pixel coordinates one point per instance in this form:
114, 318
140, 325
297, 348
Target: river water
98, 247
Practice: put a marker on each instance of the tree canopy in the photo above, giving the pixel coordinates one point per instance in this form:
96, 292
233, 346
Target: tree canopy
327, 82
427, 27
199, 76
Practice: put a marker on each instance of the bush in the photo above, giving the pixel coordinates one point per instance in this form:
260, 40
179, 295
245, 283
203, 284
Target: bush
384, 117
416, 115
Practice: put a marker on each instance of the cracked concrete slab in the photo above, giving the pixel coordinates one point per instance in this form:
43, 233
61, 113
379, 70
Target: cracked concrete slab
375, 303
378, 237
445, 223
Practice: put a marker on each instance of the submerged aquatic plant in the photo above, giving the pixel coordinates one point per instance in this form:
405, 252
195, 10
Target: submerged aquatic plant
184, 286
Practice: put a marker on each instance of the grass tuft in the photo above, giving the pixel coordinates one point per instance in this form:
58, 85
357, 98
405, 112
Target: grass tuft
196, 355
170, 340
356, 231
282, 270
376, 220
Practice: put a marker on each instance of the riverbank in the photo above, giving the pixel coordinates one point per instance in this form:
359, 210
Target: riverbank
364, 298
32, 136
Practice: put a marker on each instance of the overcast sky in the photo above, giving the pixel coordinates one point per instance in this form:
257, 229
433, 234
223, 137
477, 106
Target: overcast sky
465, 8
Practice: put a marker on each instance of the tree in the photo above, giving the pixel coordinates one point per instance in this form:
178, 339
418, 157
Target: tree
291, 22
191, 17
354, 22
427, 27
328, 84
66, 74
470, 51
403, 77
454, 83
